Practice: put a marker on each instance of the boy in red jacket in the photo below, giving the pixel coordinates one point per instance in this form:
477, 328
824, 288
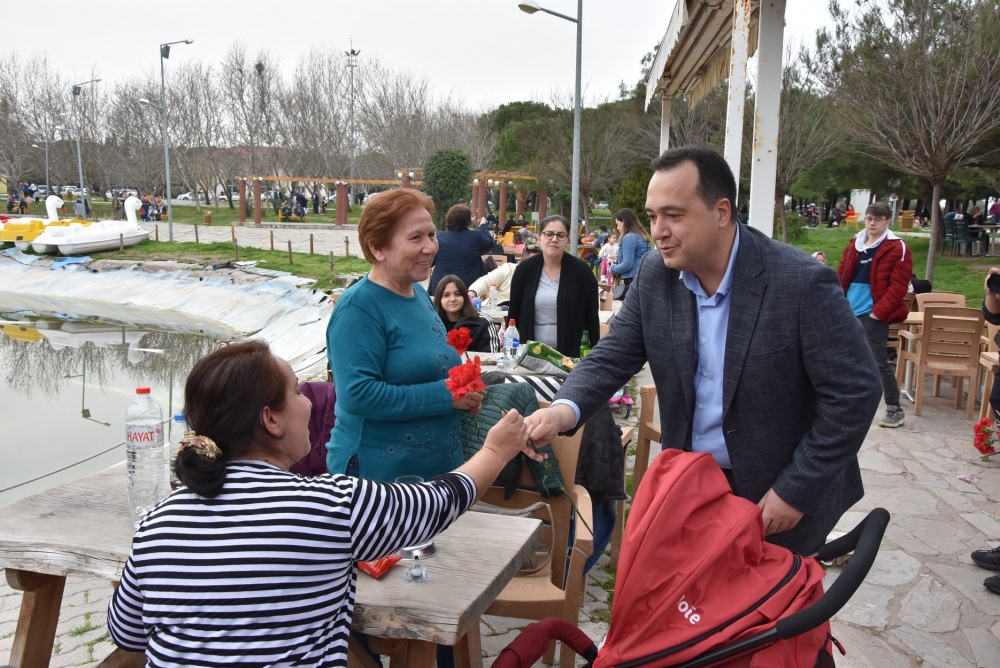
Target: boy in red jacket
875, 272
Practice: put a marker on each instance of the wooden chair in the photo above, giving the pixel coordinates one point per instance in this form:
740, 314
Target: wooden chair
991, 362
551, 592
607, 304
499, 259
939, 299
910, 301
947, 345
628, 435
649, 431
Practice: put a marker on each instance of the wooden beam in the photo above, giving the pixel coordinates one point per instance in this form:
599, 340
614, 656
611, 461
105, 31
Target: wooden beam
305, 179
36, 622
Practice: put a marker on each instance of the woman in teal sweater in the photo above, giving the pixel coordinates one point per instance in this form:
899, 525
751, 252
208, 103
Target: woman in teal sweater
390, 356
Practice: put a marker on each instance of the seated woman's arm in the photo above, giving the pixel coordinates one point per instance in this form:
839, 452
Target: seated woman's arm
485, 240
388, 516
125, 614
361, 389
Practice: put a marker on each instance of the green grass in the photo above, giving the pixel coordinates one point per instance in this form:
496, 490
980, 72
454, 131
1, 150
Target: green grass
951, 274
85, 628
305, 265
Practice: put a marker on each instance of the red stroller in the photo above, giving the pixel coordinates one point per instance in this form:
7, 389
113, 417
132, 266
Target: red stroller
698, 586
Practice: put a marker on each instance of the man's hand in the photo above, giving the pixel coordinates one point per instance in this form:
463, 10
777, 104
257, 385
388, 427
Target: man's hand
778, 515
872, 316
545, 424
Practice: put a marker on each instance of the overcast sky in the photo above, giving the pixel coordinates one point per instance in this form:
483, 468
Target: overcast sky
485, 51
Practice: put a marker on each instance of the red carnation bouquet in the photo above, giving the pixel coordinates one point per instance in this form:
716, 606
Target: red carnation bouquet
460, 340
985, 438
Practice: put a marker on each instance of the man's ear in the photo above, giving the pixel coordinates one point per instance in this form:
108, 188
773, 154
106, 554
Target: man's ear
724, 209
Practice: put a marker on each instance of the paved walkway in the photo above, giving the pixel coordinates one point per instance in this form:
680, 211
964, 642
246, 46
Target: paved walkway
923, 604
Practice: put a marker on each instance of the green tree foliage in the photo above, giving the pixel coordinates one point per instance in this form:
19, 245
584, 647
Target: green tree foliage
631, 192
918, 85
447, 175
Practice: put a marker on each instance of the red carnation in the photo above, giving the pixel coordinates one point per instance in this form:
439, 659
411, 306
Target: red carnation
460, 340
985, 437
465, 378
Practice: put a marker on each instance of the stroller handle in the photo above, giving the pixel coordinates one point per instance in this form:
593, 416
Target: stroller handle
865, 540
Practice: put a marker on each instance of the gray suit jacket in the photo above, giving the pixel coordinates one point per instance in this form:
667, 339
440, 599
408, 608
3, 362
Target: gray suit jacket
800, 385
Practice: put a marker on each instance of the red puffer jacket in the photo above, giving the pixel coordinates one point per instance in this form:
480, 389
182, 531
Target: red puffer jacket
892, 268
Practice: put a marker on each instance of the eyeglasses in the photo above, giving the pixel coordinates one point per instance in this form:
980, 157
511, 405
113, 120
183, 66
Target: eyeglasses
555, 235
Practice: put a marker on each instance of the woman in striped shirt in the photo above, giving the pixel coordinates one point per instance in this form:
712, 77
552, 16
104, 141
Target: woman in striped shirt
249, 564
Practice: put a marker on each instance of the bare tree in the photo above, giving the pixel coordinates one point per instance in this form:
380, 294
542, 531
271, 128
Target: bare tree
918, 82
806, 136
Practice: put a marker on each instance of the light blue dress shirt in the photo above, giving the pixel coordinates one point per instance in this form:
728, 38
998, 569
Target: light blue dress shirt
710, 347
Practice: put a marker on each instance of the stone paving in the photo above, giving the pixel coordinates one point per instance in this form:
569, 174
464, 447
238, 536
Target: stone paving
923, 604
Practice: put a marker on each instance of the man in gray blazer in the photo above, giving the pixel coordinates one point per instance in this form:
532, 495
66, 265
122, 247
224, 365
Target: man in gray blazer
756, 355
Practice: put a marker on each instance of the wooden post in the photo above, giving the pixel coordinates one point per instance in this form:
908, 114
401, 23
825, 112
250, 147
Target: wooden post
196, 234
236, 249
347, 246
232, 230
310, 243
243, 201
331, 260
272, 239
121, 243
257, 210
157, 232
290, 252
38, 617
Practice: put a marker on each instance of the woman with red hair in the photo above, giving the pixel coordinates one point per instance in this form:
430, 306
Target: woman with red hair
390, 355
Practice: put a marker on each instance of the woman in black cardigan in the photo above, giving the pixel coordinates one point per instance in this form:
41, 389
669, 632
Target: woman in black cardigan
553, 296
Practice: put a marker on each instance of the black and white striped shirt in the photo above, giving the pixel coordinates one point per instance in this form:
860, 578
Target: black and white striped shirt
264, 574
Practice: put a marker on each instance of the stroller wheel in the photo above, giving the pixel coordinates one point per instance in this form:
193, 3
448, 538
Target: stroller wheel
626, 410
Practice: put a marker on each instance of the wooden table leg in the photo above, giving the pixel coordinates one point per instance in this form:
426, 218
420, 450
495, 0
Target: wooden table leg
469, 650
37, 620
420, 654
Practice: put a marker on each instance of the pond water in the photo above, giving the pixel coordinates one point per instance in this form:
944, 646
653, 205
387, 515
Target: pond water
64, 388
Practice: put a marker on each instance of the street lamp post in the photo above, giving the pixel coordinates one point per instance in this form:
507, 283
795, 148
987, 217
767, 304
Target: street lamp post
530, 7
76, 119
352, 62
164, 54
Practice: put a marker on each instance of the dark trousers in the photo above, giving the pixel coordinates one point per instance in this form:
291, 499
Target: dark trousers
877, 333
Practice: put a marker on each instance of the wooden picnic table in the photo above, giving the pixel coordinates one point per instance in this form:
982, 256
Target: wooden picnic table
499, 315
83, 528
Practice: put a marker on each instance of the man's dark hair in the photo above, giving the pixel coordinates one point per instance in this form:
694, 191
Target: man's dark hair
603, 228
879, 210
715, 179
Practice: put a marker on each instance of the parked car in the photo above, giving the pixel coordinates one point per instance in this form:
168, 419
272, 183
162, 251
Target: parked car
189, 196
601, 205
41, 192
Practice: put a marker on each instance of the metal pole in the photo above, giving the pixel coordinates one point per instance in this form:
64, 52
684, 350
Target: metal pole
666, 104
166, 146
768, 101
352, 62
76, 119
738, 56
574, 210
48, 186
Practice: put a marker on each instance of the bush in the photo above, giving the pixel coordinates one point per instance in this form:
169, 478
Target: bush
796, 227
631, 193
447, 177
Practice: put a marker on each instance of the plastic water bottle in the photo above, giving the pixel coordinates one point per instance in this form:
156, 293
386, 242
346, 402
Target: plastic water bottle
493, 297
511, 340
143, 454
177, 429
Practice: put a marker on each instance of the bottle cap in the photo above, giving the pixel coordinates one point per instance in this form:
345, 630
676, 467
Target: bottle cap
179, 417
142, 390
513, 322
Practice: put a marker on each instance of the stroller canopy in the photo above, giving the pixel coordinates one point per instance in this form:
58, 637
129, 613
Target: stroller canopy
695, 573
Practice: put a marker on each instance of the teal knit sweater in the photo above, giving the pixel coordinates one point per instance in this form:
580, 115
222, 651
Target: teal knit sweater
390, 358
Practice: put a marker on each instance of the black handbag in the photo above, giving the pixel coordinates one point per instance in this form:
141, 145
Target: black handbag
620, 291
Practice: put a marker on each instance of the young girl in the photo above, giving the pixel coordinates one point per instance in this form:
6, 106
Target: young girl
451, 299
609, 255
